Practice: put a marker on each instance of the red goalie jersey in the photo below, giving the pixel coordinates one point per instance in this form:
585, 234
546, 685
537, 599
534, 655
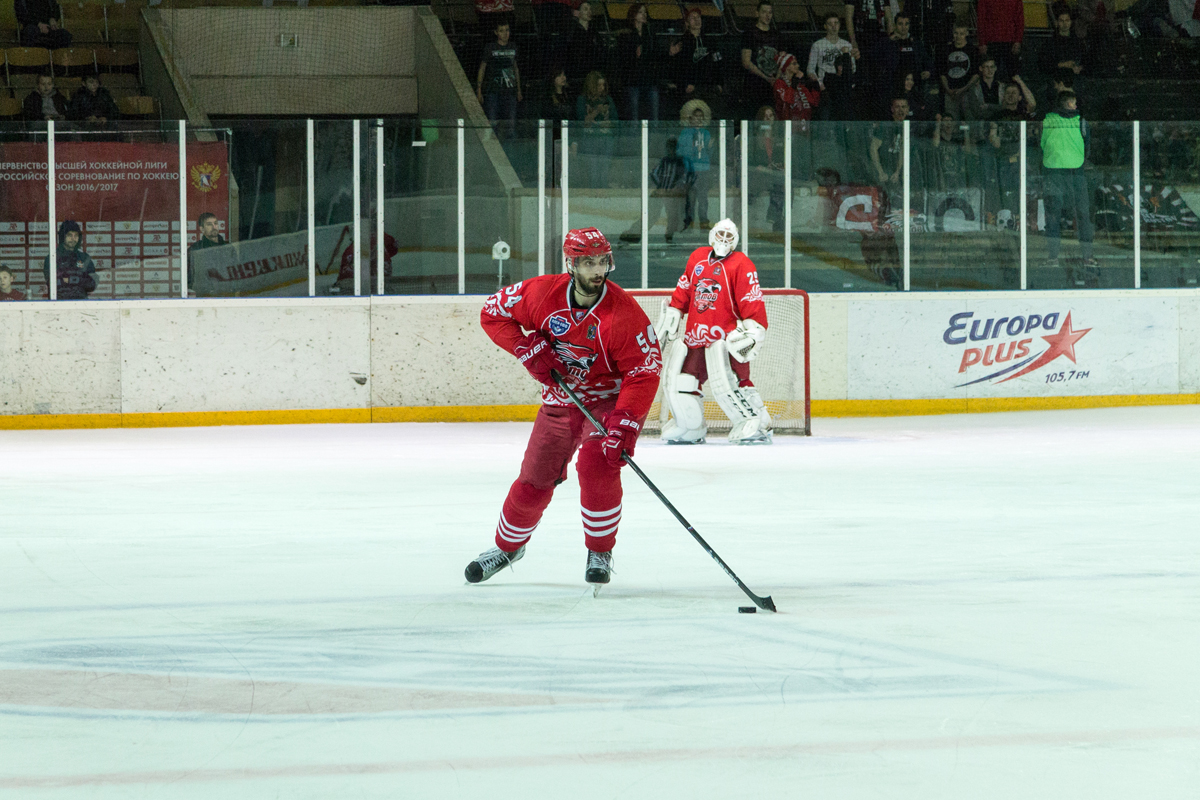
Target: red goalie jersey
715, 293
608, 349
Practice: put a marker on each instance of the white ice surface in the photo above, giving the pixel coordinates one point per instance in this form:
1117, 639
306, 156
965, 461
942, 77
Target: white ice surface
987, 606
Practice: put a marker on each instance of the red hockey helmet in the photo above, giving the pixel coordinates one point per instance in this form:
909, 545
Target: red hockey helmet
586, 242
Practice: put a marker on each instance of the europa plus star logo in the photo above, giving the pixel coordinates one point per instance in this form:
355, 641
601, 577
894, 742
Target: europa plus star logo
1061, 344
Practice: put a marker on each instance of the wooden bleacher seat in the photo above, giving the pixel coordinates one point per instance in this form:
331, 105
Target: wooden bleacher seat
25, 60
118, 59
138, 107
10, 109
73, 61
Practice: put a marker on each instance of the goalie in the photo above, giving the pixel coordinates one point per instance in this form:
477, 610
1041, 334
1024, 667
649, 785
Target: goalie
726, 327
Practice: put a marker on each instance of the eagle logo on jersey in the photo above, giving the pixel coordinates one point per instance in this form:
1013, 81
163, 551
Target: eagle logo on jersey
559, 325
576, 358
706, 294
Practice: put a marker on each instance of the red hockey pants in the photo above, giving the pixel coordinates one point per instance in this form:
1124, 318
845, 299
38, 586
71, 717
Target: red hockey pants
557, 433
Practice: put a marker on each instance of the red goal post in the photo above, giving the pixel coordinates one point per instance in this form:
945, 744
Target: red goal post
781, 371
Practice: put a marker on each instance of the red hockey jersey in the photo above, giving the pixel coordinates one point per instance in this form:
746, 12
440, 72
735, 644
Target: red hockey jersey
715, 293
608, 349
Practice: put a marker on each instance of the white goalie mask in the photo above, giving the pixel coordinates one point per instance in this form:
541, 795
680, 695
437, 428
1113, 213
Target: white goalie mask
723, 238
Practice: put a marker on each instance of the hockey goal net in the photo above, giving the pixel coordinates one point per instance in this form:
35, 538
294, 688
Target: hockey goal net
780, 372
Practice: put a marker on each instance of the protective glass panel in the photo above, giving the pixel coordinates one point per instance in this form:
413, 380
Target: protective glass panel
1080, 231
421, 205
255, 242
965, 196
117, 207
24, 238
1170, 171
845, 208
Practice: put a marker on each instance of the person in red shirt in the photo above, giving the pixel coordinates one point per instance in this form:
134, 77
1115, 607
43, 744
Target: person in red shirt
591, 332
7, 292
726, 327
795, 98
345, 279
1001, 29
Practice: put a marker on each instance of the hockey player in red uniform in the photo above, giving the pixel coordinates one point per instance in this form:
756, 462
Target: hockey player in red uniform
593, 334
726, 327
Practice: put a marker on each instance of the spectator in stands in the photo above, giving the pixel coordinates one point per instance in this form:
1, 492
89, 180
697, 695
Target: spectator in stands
639, 57
699, 67
695, 145
868, 26
45, 102
673, 180
368, 265
76, 272
904, 54
936, 19
986, 93
1064, 149
598, 113
208, 228
92, 104
761, 46
1000, 30
7, 292
766, 166
498, 84
831, 61
40, 22
955, 163
957, 73
558, 104
795, 96
1016, 105
552, 18
887, 148
913, 91
1062, 57
585, 52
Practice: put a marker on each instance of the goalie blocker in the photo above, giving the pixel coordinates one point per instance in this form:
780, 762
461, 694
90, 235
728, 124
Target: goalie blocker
725, 331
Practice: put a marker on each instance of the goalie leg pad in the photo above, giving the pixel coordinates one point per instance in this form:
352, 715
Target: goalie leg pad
742, 404
681, 394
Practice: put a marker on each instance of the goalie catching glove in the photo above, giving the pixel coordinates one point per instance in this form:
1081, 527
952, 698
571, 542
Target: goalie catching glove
623, 429
537, 355
745, 340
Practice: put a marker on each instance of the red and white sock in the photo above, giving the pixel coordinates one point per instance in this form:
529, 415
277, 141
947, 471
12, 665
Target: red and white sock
600, 528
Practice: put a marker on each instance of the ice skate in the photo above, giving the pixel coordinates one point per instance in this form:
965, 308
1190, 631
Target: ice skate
599, 569
490, 562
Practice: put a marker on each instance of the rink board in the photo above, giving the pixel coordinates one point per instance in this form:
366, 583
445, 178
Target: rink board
283, 360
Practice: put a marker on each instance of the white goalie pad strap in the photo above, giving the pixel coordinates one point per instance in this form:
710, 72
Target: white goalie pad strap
687, 408
751, 429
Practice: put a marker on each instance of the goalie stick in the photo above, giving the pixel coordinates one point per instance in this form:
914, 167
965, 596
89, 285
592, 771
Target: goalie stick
765, 603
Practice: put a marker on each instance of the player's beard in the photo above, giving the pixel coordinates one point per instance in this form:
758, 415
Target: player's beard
588, 290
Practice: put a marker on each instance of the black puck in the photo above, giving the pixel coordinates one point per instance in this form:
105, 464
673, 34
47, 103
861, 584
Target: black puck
747, 610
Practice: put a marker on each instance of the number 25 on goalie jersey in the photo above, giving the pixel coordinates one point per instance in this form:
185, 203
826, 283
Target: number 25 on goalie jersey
608, 349
715, 293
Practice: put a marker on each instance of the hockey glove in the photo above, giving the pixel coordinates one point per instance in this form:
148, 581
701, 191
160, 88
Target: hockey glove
667, 328
745, 340
623, 431
537, 355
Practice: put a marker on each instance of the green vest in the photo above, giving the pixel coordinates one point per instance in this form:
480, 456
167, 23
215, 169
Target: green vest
1062, 141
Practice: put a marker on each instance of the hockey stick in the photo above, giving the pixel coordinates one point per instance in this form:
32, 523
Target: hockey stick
765, 603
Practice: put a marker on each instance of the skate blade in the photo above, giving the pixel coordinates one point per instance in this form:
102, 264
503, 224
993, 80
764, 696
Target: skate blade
596, 589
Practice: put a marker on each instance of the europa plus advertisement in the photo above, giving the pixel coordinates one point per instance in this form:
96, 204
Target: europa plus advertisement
125, 197
1031, 346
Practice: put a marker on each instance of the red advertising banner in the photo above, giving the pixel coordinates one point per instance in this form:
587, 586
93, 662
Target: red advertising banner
125, 197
